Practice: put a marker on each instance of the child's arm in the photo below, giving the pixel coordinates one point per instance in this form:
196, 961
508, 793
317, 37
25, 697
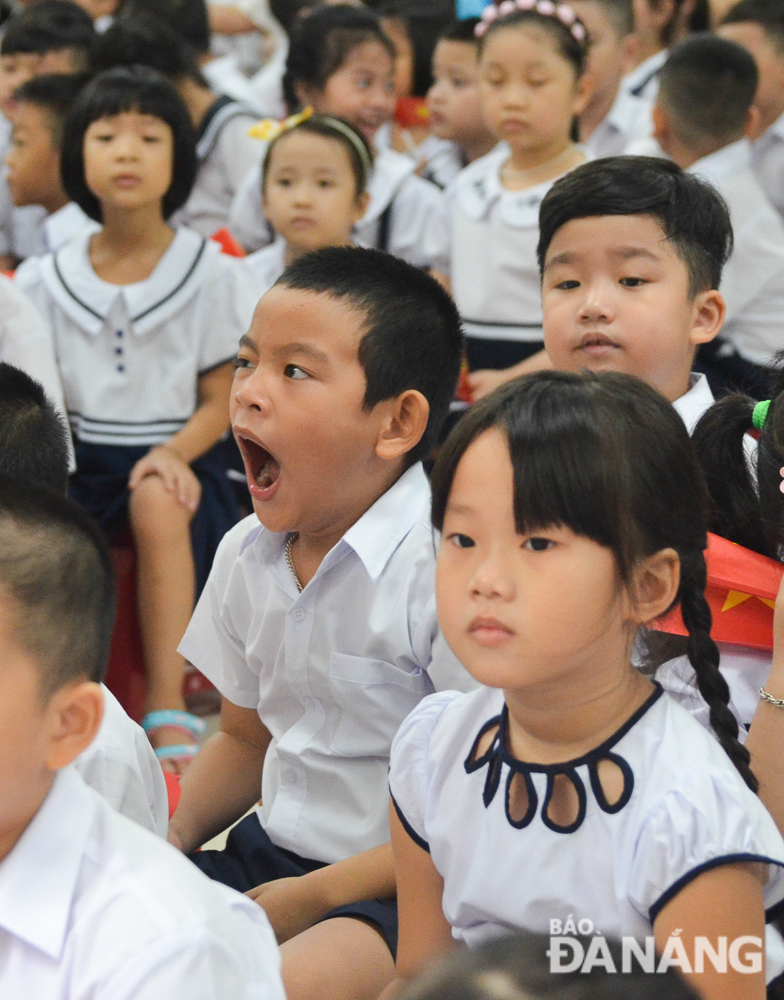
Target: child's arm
294, 904
224, 780
171, 461
724, 902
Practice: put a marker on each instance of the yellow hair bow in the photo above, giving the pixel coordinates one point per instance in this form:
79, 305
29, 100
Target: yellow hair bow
270, 129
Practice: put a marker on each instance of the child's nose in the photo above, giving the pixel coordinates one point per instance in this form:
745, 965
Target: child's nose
252, 391
598, 302
491, 579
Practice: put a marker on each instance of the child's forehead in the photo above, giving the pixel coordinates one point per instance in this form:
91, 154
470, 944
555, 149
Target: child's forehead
610, 235
317, 321
130, 118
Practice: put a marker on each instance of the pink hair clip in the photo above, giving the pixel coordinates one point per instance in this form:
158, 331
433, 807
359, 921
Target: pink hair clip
507, 7
547, 8
565, 15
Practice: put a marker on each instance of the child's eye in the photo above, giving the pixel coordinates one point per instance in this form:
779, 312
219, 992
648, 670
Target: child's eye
240, 362
294, 371
462, 541
325, 183
152, 138
632, 282
538, 544
569, 284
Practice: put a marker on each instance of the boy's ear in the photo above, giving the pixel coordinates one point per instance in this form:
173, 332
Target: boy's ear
661, 125
708, 317
362, 206
74, 713
655, 586
403, 425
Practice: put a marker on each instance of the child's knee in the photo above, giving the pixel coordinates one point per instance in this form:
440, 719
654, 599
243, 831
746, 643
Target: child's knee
155, 512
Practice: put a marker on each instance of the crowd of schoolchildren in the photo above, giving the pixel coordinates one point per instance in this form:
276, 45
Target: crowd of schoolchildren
433, 369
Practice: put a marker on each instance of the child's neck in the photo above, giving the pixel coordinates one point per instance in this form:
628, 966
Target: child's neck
525, 168
55, 201
131, 243
473, 149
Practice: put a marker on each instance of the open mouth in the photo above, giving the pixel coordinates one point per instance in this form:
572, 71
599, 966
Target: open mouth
261, 468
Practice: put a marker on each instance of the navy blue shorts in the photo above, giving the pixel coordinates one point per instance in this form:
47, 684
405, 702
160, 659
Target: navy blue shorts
251, 859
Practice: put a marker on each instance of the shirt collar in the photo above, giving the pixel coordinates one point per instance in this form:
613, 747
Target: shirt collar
38, 878
61, 225
645, 71
692, 404
716, 166
390, 169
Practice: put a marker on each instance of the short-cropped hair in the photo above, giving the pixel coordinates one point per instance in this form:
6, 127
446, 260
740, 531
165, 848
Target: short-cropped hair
128, 88
56, 569
33, 438
413, 338
706, 87
55, 94
49, 26
691, 213
768, 14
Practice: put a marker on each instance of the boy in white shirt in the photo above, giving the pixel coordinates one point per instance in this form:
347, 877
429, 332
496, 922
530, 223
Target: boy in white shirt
702, 116
91, 905
318, 626
758, 25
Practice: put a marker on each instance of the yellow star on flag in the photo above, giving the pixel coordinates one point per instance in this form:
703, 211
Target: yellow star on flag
736, 597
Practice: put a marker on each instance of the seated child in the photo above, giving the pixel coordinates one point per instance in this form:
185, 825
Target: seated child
458, 132
341, 64
119, 763
614, 117
134, 298
315, 177
318, 625
52, 36
41, 107
90, 903
702, 115
224, 150
571, 514
758, 25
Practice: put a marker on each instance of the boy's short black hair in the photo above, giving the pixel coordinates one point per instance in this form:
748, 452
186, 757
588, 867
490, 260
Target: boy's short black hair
706, 87
145, 40
690, 211
56, 568
128, 88
49, 26
768, 14
461, 31
188, 19
33, 439
620, 13
413, 338
55, 94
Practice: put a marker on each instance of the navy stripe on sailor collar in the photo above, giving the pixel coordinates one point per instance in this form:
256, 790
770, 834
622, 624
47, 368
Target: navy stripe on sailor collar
219, 114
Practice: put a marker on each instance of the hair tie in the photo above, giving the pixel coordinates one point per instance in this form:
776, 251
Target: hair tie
269, 129
760, 414
546, 8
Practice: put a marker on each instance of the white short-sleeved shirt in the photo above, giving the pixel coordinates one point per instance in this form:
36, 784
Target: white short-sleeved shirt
643, 80
684, 808
693, 403
332, 671
179, 323
265, 266
93, 907
37, 235
122, 767
225, 153
413, 205
439, 160
768, 163
752, 282
629, 120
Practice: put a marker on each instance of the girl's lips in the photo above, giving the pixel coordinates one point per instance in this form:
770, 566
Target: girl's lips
489, 631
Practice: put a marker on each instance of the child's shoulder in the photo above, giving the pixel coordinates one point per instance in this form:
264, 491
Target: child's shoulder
265, 266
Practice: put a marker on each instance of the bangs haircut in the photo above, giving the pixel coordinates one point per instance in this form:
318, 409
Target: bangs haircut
53, 93
56, 568
322, 125
692, 214
128, 88
33, 437
413, 338
144, 40
49, 26
322, 41
707, 85
768, 14
566, 44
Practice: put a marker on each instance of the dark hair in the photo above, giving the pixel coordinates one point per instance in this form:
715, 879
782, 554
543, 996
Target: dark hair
745, 507
55, 94
413, 338
128, 88
56, 567
461, 31
608, 457
322, 125
707, 86
188, 19
568, 46
423, 29
692, 214
287, 12
321, 42
698, 19
768, 14
620, 13
144, 40
33, 439
517, 967
49, 26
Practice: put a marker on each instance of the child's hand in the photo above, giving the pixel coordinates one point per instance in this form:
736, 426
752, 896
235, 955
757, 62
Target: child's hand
483, 382
177, 475
291, 904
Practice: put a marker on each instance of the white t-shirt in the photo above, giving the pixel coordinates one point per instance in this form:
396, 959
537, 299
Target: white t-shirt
332, 671
179, 323
93, 907
122, 767
684, 808
768, 163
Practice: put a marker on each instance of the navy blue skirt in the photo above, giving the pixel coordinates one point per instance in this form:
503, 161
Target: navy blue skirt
100, 485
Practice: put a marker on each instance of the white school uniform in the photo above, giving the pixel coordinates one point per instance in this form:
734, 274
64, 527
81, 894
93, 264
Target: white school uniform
122, 767
225, 153
753, 279
643, 80
402, 204
629, 120
684, 809
768, 163
37, 234
182, 321
92, 907
439, 160
332, 671
265, 266
695, 401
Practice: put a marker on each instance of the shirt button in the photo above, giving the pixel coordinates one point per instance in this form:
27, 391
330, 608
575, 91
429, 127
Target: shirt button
298, 614
119, 333
120, 368
118, 350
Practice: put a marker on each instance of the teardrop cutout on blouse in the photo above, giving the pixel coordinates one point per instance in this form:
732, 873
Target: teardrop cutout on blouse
521, 798
564, 804
612, 781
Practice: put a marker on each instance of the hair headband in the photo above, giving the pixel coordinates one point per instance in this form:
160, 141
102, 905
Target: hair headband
356, 142
760, 414
546, 8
